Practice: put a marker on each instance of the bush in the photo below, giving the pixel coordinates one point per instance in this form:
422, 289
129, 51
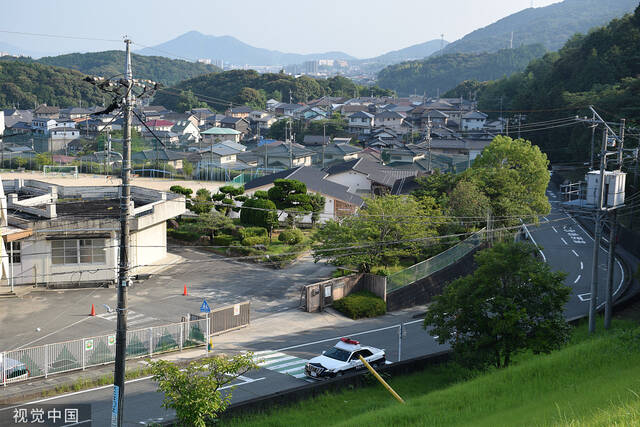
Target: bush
222, 240
255, 240
253, 232
181, 190
361, 304
291, 237
188, 236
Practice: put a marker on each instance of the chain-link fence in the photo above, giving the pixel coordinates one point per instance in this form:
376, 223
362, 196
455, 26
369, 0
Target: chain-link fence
49, 359
428, 267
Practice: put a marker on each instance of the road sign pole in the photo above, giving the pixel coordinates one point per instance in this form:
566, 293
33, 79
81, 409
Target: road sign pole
400, 342
206, 341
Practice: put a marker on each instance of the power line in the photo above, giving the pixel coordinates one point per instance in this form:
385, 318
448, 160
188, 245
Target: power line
59, 36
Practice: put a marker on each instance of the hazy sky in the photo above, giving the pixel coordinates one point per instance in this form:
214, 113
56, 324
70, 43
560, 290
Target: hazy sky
362, 28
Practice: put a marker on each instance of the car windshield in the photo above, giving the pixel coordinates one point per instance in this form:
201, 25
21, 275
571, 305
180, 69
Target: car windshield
338, 354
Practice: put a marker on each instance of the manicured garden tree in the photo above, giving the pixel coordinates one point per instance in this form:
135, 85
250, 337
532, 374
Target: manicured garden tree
259, 212
290, 196
511, 303
226, 196
201, 203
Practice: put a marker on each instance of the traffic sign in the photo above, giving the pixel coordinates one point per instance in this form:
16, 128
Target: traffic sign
204, 308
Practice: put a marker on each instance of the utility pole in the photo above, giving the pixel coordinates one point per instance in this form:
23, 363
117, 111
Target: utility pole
593, 301
123, 271
593, 134
324, 138
429, 141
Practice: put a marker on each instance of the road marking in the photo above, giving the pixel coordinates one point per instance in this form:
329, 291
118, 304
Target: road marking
54, 332
545, 218
581, 266
585, 297
577, 278
246, 380
563, 241
133, 317
554, 228
281, 362
544, 258
575, 253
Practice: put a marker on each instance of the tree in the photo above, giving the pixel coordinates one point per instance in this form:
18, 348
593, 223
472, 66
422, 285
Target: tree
513, 174
202, 201
226, 197
468, 202
386, 229
291, 196
187, 169
259, 212
194, 392
511, 303
212, 221
317, 202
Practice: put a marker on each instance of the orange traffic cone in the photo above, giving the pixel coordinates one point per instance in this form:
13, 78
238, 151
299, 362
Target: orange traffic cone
184, 292
93, 310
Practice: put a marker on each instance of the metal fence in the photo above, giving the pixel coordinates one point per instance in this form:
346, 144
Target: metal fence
436, 263
49, 359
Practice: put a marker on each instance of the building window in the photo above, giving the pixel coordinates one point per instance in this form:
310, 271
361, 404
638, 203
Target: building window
14, 252
78, 251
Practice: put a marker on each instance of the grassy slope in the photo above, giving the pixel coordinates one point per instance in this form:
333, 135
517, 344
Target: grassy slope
594, 381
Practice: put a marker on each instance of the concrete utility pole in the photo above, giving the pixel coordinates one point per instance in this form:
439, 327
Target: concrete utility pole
593, 301
593, 134
123, 269
429, 141
324, 138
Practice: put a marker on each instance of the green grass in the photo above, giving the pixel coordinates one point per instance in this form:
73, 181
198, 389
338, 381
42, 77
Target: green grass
593, 381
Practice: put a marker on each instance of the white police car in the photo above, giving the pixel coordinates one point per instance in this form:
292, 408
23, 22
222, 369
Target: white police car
343, 358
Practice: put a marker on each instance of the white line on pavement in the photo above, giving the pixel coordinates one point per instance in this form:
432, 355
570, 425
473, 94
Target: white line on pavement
554, 228
577, 278
563, 241
54, 332
581, 266
575, 253
350, 335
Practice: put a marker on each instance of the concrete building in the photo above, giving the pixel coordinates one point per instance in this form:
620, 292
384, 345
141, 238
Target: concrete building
74, 243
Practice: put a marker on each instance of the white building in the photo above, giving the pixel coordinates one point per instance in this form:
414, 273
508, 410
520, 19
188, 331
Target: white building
75, 243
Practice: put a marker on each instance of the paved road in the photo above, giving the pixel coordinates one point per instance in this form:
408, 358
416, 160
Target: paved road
282, 358
568, 247
63, 315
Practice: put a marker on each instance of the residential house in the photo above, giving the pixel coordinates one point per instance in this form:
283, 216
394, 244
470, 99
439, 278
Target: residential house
217, 134
159, 124
310, 140
241, 112
473, 120
43, 111
187, 127
364, 176
281, 154
407, 154
272, 104
43, 125
236, 123
152, 112
12, 117
339, 202
390, 120
167, 137
46, 251
309, 114
64, 133
76, 112
284, 109
333, 152
261, 120
361, 123
163, 156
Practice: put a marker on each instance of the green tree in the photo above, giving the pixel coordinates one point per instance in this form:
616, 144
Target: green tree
510, 304
386, 229
513, 174
187, 169
259, 212
212, 221
194, 391
317, 202
201, 202
469, 203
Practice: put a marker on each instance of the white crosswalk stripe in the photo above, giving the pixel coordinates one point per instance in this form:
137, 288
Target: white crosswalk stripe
280, 362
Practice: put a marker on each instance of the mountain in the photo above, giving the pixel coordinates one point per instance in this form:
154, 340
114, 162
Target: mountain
443, 72
417, 51
601, 68
15, 50
111, 63
25, 83
551, 26
248, 87
231, 50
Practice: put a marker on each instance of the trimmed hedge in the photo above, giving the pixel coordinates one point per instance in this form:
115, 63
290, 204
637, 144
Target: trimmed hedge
222, 240
361, 304
189, 236
253, 232
255, 240
291, 237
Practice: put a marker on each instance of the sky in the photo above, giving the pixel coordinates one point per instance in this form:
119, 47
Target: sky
362, 28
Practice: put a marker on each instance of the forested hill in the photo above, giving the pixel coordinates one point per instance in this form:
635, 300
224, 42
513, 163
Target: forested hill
110, 63
248, 87
551, 26
27, 84
444, 72
601, 68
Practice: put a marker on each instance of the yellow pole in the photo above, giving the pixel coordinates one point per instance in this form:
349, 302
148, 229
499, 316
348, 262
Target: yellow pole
383, 382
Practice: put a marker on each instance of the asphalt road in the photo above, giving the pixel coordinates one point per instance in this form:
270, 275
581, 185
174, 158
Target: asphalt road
285, 353
64, 314
568, 247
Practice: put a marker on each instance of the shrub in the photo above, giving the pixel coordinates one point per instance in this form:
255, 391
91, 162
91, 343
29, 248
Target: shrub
261, 194
291, 237
181, 190
188, 236
361, 304
222, 240
255, 240
253, 231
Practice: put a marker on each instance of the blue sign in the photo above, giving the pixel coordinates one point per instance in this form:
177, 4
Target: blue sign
204, 308
114, 406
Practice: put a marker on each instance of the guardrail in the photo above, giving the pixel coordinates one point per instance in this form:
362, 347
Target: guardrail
42, 361
436, 263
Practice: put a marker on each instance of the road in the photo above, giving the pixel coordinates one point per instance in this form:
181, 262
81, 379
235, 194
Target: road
283, 356
567, 247
48, 316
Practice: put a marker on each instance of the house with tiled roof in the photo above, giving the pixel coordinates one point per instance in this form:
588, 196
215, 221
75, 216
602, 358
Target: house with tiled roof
236, 123
217, 134
339, 202
159, 124
43, 111
241, 112
281, 154
361, 123
364, 176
